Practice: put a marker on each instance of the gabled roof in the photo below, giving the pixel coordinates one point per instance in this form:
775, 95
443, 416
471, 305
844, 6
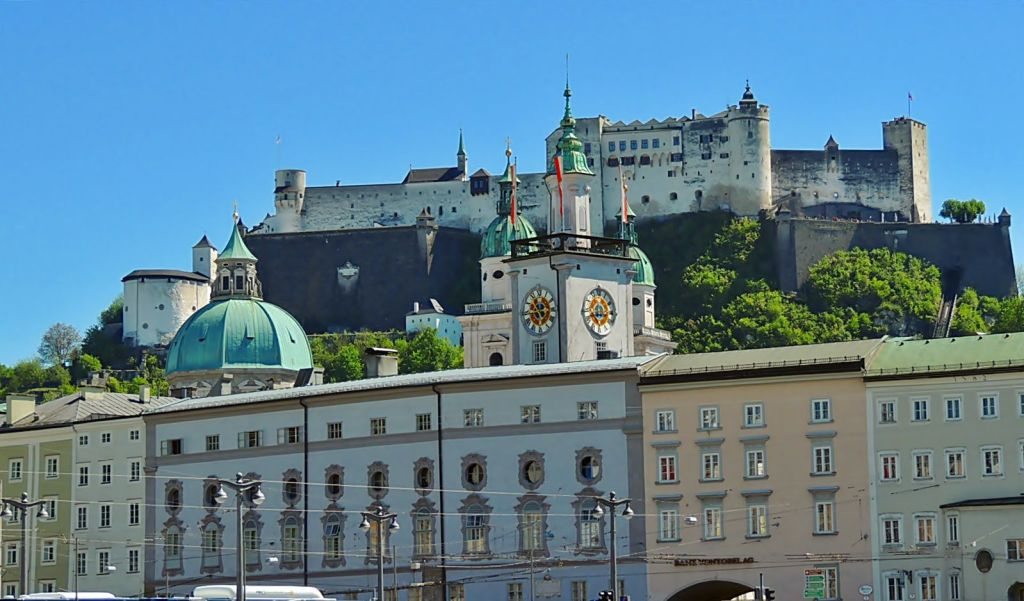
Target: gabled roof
85, 406
432, 174
481, 172
205, 242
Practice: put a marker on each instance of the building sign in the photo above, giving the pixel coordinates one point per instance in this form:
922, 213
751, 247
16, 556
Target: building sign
713, 561
814, 584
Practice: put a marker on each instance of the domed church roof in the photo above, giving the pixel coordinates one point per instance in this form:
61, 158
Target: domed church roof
238, 329
496, 241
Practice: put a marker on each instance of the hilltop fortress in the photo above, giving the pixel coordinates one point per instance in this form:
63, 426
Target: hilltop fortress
673, 166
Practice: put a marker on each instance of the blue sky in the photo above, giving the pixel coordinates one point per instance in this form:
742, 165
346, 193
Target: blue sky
129, 128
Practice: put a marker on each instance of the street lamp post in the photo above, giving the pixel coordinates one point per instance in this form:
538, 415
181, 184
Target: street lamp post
378, 517
245, 489
612, 503
23, 506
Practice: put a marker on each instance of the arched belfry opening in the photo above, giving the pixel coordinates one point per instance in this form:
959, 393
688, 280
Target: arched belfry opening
712, 590
1015, 592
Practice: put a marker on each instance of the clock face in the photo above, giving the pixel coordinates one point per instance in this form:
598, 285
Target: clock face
538, 310
599, 311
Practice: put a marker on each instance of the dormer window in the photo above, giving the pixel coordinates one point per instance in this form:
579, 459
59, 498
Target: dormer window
225, 282
239, 282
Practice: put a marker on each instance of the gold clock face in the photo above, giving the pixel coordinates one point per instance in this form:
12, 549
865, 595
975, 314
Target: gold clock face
538, 310
599, 311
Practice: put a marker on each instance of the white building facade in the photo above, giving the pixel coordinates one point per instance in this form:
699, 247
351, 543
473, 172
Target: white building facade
492, 473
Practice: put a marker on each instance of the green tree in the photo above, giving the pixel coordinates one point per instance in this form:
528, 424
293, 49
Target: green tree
103, 339
83, 365
763, 319
59, 344
427, 351
26, 375
1009, 315
114, 313
962, 211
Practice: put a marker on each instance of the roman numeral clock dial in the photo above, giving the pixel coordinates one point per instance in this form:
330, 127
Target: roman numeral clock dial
599, 311
538, 310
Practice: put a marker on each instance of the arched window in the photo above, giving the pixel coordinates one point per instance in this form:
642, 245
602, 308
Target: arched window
532, 527
673, 196
475, 531
496, 359
423, 533
209, 495
290, 491
291, 540
475, 473
211, 546
173, 499
333, 485
378, 482
251, 542
590, 533
172, 548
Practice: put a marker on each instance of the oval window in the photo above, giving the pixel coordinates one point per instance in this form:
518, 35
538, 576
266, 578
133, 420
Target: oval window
590, 467
533, 471
334, 485
474, 473
423, 478
983, 560
378, 482
498, 274
636, 301
174, 499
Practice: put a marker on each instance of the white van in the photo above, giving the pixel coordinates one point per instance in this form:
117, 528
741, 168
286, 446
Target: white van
68, 596
226, 592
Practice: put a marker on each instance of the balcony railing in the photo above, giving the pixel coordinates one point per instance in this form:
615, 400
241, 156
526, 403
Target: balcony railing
491, 307
568, 242
652, 332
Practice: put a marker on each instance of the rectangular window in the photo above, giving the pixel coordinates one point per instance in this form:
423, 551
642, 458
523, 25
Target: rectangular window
1015, 549
106, 473
133, 561
103, 561
579, 590
824, 517
709, 418
723, 155
83, 475
473, 418
892, 530
953, 529
83, 440
622, 145
675, 140
289, 435
49, 551
611, 146
954, 409
919, 412
540, 351
135, 470
334, 431
712, 466
927, 587
668, 524
822, 460
667, 468
821, 410
82, 518
134, 513
955, 463
82, 563
11, 554
887, 412
1020, 404
104, 516
47, 586
757, 521
456, 592
643, 143
378, 426
586, 148
134, 435
992, 461
655, 143
889, 466
171, 447
213, 442
713, 523
423, 422
52, 466
632, 144
755, 464
665, 421
586, 410
105, 438
14, 470
529, 414
954, 586
514, 591
753, 415
989, 406
51, 508
922, 465
250, 439
925, 529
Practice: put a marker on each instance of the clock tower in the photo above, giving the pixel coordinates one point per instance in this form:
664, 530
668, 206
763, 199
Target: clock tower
571, 290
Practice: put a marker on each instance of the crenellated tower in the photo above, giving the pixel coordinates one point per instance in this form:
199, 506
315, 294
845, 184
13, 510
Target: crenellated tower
289, 199
749, 156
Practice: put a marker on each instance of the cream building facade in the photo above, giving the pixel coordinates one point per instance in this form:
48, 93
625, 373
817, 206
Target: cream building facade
754, 464
947, 468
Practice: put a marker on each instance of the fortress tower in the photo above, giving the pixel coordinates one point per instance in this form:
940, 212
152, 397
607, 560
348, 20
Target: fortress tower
289, 196
909, 138
749, 156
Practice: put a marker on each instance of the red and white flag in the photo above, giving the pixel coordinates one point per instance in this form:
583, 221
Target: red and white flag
623, 189
558, 174
513, 172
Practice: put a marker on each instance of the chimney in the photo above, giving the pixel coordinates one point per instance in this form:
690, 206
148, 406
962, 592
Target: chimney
143, 394
224, 385
415, 306
19, 406
381, 362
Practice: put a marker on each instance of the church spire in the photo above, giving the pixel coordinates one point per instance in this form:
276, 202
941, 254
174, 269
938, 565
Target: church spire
462, 146
236, 269
505, 184
463, 159
569, 146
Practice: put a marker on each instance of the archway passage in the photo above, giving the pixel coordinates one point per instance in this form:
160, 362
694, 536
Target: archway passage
1015, 592
712, 590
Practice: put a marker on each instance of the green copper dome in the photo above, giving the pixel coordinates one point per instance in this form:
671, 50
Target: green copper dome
239, 333
501, 232
569, 146
236, 249
644, 270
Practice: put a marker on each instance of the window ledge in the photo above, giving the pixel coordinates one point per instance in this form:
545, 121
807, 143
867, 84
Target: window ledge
764, 477
757, 536
753, 426
712, 539
711, 429
703, 480
665, 432
663, 482
833, 533
670, 540
822, 474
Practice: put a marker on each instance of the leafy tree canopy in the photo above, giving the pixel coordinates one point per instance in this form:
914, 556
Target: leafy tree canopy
962, 211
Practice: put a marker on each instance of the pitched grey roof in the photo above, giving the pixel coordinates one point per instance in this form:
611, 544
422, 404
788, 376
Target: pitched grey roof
451, 376
86, 406
760, 359
139, 274
433, 174
991, 502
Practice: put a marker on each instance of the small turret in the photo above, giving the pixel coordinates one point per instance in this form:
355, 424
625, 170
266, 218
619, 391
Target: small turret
204, 255
570, 197
463, 159
1004, 218
236, 270
748, 100
289, 197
